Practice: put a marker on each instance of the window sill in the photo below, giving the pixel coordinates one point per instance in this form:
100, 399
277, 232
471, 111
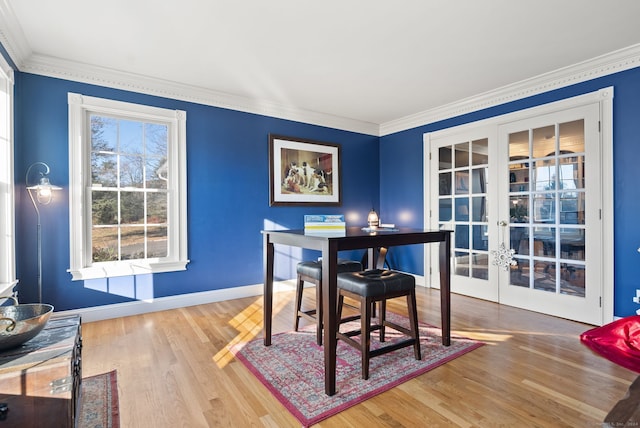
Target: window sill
137, 267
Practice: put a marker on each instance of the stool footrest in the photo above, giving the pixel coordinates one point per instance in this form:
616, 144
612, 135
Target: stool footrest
351, 333
400, 328
390, 348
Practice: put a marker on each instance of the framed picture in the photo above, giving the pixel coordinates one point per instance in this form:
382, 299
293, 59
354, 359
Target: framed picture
303, 172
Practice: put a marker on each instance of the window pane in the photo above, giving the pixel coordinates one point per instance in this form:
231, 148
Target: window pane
480, 238
462, 182
480, 180
444, 184
544, 241
544, 141
572, 136
479, 208
131, 137
462, 155
544, 175
156, 208
156, 139
444, 158
519, 274
132, 243
520, 240
104, 208
572, 244
480, 266
462, 236
480, 150
131, 172
157, 174
519, 177
572, 279
461, 263
462, 209
104, 134
132, 207
104, 169
104, 244
572, 172
444, 209
545, 275
519, 145
519, 211
157, 241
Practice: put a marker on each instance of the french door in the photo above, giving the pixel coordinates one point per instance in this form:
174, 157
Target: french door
463, 200
549, 184
524, 201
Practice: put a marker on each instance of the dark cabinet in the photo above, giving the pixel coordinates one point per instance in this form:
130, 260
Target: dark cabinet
40, 380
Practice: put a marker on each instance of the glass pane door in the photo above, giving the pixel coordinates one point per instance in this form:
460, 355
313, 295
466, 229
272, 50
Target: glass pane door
547, 208
462, 201
550, 210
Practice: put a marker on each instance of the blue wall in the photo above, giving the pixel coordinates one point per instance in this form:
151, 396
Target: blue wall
228, 195
228, 190
401, 176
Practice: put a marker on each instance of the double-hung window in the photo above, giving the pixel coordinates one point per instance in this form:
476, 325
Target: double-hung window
127, 172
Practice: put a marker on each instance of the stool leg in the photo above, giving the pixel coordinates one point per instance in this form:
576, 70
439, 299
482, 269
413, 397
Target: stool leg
339, 313
319, 313
413, 317
365, 335
298, 303
383, 318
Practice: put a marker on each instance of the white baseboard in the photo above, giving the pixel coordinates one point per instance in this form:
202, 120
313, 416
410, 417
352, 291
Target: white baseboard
98, 313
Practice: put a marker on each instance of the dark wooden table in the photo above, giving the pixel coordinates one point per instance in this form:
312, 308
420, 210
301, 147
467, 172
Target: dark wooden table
354, 238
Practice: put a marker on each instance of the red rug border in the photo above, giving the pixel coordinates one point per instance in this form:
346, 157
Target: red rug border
114, 404
308, 422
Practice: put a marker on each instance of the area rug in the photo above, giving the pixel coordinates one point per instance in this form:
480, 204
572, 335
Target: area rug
98, 407
292, 368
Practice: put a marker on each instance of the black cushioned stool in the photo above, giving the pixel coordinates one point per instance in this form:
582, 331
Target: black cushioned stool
372, 286
312, 272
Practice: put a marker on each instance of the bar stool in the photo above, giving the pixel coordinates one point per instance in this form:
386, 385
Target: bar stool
311, 271
371, 286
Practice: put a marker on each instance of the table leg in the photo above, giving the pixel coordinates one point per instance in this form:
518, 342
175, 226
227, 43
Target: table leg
329, 300
445, 288
268, 288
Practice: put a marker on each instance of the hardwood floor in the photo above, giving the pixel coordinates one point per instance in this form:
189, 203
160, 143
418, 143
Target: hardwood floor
174, 370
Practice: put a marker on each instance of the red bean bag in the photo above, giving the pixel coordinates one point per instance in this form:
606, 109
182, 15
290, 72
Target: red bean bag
618, 341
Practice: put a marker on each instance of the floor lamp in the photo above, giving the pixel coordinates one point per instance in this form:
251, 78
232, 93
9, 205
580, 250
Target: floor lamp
43, 191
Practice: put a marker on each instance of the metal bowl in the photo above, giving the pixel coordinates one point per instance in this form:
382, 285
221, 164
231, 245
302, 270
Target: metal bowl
19, 323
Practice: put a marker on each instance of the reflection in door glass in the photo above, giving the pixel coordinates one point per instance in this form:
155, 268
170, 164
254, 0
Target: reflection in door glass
480, 265
462, 204
572, 279
444, 158
546, 191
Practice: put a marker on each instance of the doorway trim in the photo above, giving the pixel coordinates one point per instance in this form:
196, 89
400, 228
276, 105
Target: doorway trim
604, 97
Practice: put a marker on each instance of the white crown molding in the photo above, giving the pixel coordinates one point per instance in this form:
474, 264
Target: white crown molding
11, 35
55, 67
613, 62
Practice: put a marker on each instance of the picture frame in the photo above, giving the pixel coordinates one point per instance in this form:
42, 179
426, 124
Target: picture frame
304, 172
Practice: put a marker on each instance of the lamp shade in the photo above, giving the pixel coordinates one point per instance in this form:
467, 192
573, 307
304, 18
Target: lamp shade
44, 188
373, 219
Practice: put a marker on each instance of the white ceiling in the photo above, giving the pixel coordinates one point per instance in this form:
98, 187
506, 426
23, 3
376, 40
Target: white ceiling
373, 61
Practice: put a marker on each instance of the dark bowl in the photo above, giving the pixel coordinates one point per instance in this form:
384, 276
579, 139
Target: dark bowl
19, 323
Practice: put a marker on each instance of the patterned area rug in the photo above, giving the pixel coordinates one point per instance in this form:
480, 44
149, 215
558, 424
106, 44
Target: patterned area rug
292, 368
98, 406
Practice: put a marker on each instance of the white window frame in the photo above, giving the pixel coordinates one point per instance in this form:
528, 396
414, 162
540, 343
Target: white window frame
81, 266
7, 188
